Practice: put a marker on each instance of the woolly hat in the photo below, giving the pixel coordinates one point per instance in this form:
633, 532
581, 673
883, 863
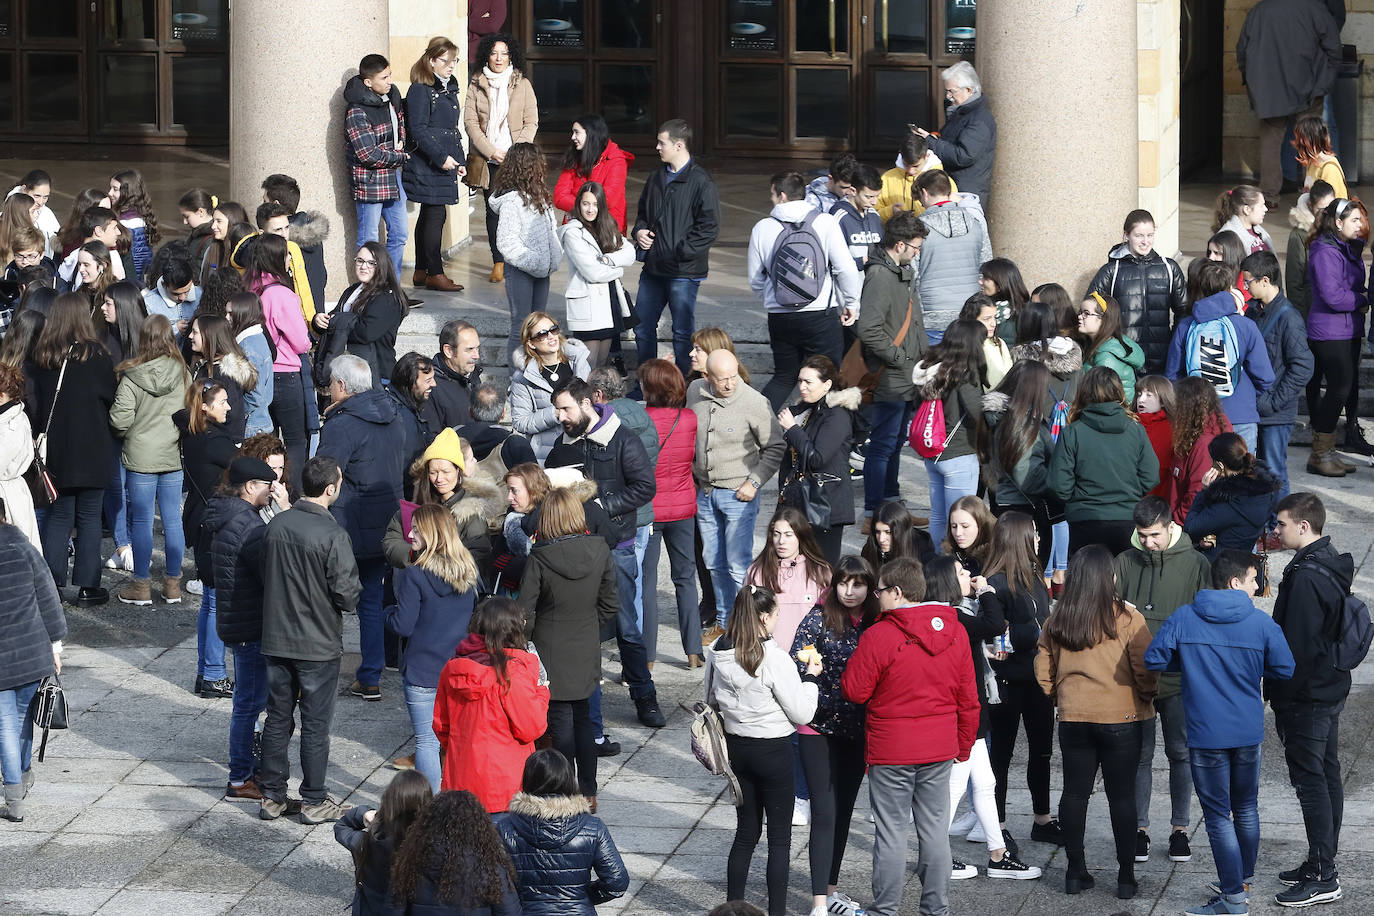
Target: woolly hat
448, 446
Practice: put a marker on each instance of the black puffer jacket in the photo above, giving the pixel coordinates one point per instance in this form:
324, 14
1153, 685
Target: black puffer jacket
1234, 509
1025, 613
236, 531
611, 455
820, 444
556, 845
205, 458
31, 617
1149, 290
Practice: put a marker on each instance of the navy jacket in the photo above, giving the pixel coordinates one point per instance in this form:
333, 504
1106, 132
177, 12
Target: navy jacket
433, 114
31, 617
1256, 375
565, 860
1308, 610
364, 434
1285, 337
1223, 645
966, 144
236, 531
1234, 509
434, 616
684, 215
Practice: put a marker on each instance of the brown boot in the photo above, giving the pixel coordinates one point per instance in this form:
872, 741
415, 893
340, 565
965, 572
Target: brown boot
695, 661
403, 763
443, 284
498, 272
171, 589
591, 802
138, 592
420, 278
1320, 461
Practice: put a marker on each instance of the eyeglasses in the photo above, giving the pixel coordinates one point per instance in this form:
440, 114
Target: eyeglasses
884, 588
364, 262
28, 257
1089, 313
550, 331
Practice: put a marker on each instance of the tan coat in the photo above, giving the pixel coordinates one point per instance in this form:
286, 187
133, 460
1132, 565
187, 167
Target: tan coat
523, 117
1107, 684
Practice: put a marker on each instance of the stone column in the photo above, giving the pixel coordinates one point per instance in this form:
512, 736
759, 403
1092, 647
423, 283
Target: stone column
1158, 44
288, 63
1066, 172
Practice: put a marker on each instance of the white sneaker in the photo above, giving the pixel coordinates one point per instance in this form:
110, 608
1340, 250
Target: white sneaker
961, 871
838, 904
963, 823
122, 558
976, 835
801, 812
193, 587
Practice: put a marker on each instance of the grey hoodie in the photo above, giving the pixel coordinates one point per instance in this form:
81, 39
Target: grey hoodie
955, 249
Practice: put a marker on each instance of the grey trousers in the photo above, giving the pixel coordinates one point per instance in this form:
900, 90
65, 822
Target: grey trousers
922, 790
1172, 722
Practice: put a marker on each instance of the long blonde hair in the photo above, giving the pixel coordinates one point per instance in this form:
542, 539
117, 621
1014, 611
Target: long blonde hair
443, 553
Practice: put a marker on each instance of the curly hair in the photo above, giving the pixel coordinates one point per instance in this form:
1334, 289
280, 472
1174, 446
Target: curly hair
133, 195
454, 844
1196, 406
517, 54
523, 171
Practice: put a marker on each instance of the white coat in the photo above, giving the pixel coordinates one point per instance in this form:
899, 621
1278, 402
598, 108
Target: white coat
16, 454
590, 271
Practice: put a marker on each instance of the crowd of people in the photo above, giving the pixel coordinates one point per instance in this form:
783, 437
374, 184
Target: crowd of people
1107, 478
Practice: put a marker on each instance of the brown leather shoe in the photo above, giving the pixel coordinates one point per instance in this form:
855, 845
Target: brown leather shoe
420, 278
591, 802
498, 272
443, 284
711, 635
403, 763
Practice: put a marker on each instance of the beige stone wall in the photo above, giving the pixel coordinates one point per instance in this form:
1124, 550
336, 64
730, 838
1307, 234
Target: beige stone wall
1157, 50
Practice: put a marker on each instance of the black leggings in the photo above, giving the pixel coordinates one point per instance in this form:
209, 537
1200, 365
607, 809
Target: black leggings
1336, 362
834, 771
496, 257
288, 416
1112, 534
1023, 702
574, 736
1084, 747
429, 239
764, 769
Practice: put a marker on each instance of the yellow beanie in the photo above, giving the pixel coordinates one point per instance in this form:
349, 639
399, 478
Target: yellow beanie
448, 446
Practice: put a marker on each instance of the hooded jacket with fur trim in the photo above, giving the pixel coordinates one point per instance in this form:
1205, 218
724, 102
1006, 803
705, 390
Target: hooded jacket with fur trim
476, 499
613, 456
565, 860
1234, 509
1064, 358
819, 443
1295, 284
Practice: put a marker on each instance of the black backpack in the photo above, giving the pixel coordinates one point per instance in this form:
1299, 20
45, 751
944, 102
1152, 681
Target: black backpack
799, 265
1354, 628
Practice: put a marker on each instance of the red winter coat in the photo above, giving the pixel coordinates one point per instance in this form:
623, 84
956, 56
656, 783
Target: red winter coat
1161, 433
488, 731
1185, 483
610, 170
676, 496
913, 670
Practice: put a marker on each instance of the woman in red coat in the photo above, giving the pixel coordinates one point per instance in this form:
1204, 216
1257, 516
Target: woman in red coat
593, 156
1154, 404
493, 702
1197, 420
675, 501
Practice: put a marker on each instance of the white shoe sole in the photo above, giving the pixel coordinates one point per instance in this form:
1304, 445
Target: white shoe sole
1028, 875
963, 875
137, 602
1332, 897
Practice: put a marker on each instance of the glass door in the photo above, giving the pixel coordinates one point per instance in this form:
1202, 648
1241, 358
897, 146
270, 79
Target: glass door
50, 47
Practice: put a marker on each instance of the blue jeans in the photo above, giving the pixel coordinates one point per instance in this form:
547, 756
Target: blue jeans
209, 648
16, 732
166, 490
727, 543
371, 622
951, 479
525, 293
634, 661
648, 630
1249, 432
1059, 549
115, 502
250, 699
420, 705
889, 423
679, 294
1227, 783
394, 212
1273, 451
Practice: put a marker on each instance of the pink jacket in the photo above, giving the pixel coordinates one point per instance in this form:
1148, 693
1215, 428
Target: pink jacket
676, 497
800, 593
282, 318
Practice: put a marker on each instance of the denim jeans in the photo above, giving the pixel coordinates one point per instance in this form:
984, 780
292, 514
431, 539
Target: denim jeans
525, 293
143, 490
951, 479
1171, 721
1249, 432
371, 622
1310, 735
679, 294
394, 212
116, 504
727, 543
679, 536
420, 705
634, 661
889, 423
1227, 782
79, 507
646, 614
1059, 549
16, 731
288, 413
313, 687
795, 336
250, 699
209, 648
1273, 451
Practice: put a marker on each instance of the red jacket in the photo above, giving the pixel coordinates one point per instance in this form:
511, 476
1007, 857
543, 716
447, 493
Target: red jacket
485, 730
676, 496
1185, 483
913, 670
610, 170
1161, 433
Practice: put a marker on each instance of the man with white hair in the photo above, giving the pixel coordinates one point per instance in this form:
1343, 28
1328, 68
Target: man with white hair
969, 137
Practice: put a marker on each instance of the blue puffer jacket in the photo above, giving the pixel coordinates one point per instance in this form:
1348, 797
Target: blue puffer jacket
366, 434
433, 114
834, 714
1256, 375
556, 844
1234, 509
236, 531
1285, 338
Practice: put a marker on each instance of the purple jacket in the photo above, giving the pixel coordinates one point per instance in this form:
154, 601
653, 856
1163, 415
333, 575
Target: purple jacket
1336, 275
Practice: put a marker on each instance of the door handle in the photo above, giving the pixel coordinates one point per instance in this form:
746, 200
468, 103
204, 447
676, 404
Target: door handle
832, 27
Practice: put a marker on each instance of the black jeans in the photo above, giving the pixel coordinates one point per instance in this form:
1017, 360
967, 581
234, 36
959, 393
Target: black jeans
764, 769
574, 736
1023, 703
794, 337
1084, 747
312, 686
678, 536
1335, 361
1310, 734
1114, 535
834, 771
288, 415
491, 224
831, 541
79, 507
429, 239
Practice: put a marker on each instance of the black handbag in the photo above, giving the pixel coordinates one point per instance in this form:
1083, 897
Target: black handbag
48, 709
810, 493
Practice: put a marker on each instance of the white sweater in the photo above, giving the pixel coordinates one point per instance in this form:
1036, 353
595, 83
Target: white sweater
842, 285
769, 704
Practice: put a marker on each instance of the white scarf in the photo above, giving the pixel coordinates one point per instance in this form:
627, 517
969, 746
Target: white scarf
498, 122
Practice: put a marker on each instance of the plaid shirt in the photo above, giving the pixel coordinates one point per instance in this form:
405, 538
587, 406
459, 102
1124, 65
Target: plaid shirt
374, 156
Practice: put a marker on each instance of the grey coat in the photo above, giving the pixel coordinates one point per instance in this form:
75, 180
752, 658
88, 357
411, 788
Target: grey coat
955, 249
31, 617
531, 397
1287, 53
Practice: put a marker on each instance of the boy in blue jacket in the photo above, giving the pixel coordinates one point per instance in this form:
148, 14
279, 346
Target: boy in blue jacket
1285, 338
1233, 360
1225, 647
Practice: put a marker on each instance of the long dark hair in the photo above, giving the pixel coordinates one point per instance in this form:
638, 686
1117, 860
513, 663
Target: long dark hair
1060, 303
1008, 285
217, 341
1037, 323
70, 235
130, 312
1087, 611
69, 331
20, 340
834, 614
1196, 406
906, 537
766, 564
133, 195
384, 279
960, 356
548, 774
267, 262
1025, 385
402, 802
455, 845
942, 581
603, 229
982, 517
1100, 385
582, 161
501, 624
1012, 553
743, 629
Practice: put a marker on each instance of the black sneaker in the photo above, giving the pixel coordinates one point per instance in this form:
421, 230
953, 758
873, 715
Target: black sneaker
607, 748
1012, 849
1012, 867
1049, 832
650, 716
214, 690
1142, 846
91, 596
960, 870
1304, 872
1179, 850
1310, 892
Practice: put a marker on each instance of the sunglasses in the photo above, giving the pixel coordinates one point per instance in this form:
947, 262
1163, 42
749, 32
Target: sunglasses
550, 331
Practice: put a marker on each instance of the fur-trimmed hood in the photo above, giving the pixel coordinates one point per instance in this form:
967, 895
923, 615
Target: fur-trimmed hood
309, 228
570, 478
995, 402
1300, 215
479, 497
846, 398
551, 807
1063, 357
240, 370
924, 377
